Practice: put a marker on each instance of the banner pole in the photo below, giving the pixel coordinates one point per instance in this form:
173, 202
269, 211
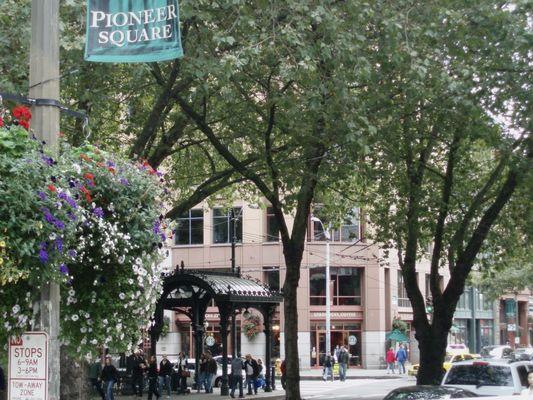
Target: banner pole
44, 84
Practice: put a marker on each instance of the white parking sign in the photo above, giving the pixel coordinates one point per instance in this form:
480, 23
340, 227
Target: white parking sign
28, 367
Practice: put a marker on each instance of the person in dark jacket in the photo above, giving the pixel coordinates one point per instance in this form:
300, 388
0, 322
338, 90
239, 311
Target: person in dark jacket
109, 376
152, 378
138, 366
344, 358
252, 372
211, 372
95, 370
202, 372
165, 373
401, 357
236, 376
183, 371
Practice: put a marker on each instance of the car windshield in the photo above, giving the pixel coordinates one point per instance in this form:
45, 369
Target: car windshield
480, 375
434, 393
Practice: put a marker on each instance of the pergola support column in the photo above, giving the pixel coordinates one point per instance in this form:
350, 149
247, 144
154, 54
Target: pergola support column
268, 312
224, 311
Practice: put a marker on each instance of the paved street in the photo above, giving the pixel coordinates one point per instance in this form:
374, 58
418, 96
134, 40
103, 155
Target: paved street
364, 384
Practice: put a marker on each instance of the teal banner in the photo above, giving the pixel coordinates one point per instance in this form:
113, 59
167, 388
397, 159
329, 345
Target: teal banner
132, 31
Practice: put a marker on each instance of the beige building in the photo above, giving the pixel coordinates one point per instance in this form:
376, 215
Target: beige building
365, 296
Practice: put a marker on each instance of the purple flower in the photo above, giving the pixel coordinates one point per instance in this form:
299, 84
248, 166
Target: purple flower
72, 253
47, 215
69, 200
71, 184
43, 256
157, 227
42, 195
163, 237
63, 269
97, 211
59, 224
124, 181
59, 245
110, 164
47, 160
71, 216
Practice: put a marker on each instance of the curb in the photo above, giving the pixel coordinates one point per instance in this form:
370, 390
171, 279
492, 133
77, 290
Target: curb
319, 378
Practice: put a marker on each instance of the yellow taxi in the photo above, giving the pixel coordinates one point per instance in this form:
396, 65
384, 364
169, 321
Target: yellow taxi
448, 361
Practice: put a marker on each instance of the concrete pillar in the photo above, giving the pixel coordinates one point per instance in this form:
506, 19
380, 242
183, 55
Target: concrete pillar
374, 330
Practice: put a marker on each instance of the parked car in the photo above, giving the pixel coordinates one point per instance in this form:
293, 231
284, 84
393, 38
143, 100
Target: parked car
501, 351
424, 392
523, 354
218, 378
448, 361
457, 348
489, 377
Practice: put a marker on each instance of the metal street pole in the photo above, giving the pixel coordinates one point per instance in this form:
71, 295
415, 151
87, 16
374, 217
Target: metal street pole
328, 284
328, 295
44, 84
233, 269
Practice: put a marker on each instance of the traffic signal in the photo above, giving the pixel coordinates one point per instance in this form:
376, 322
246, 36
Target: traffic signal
429, 305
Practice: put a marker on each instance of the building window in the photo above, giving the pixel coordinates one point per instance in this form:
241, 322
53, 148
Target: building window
271, 277
403, 299
223, 224
190, 228
349, 231
272, 228
345, 286
464, 300
486, 328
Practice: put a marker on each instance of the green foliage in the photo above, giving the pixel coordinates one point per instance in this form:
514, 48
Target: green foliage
400, 325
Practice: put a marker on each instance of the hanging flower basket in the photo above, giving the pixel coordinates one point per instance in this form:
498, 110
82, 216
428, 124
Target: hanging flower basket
252, 326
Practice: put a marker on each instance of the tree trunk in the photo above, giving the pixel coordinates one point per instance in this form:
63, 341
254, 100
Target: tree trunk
432, 352
74, 378
290, 289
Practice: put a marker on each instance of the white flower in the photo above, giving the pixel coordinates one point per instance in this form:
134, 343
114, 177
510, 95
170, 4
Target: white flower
16, 309
94, 341
75, 317
122, 296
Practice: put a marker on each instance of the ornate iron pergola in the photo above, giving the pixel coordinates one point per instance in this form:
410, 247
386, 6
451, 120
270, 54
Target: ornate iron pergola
190, 291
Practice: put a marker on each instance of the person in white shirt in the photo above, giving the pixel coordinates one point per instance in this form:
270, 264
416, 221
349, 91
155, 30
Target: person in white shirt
529, 391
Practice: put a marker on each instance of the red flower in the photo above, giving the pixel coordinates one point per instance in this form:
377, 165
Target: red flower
24, 123
87, 194
52, 188
111, 169
1, 122
89, 176
21, 113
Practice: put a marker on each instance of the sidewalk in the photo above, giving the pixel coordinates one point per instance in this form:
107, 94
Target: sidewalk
278, 394
352, 373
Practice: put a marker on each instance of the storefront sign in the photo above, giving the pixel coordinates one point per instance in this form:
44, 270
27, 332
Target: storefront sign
339, 315
28, 367
511, 327
132, 31
352, 340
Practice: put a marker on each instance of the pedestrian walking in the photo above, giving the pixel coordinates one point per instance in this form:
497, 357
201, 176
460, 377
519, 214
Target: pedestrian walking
152, 378
328, 367
236, 376
109, 376
261, 377
252, 372
390, 358
165, 374
344, 358
337, 352
183, 372
401, 357
95, 370
202, 369
138, 366
211, 372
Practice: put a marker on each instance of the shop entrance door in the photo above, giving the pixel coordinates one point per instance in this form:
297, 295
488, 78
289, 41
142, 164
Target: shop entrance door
339, 337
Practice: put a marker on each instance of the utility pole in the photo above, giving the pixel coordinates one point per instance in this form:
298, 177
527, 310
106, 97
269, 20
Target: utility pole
328, 295
44, 84
234, 270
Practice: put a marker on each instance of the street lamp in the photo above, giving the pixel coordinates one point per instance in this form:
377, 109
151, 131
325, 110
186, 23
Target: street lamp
328, 294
